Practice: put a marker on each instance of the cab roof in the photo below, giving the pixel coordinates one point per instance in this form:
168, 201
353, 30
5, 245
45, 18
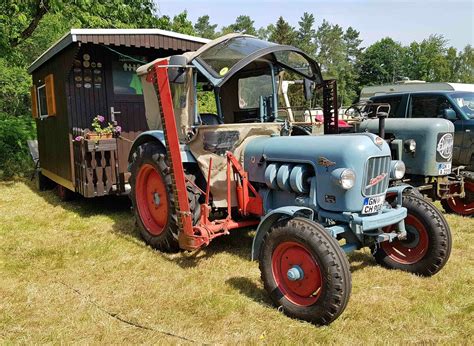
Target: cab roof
222, 58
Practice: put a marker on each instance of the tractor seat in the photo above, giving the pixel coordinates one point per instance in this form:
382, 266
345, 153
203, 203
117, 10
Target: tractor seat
210, 119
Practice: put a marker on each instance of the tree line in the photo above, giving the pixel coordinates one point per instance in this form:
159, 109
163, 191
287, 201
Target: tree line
29, 27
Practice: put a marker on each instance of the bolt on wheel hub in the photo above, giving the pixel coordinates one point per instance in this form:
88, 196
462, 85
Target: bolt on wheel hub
295, 273
156, 198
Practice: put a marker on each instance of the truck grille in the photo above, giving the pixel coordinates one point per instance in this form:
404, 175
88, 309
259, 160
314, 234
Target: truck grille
377, 175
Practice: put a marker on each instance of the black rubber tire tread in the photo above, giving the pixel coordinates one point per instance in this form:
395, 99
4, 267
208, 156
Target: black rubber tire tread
447, 209
439, 238
334, 266
153, 154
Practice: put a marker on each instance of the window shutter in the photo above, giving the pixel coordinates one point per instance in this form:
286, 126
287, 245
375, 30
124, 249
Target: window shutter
34, 102
50, 100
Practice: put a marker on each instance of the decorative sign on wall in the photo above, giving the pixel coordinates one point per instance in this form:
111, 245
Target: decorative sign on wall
87, 73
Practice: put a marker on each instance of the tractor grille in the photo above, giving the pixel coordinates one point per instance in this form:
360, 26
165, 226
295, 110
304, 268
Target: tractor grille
377, 176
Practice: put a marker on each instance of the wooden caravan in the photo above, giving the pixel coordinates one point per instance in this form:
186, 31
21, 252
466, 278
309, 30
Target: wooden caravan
91, 72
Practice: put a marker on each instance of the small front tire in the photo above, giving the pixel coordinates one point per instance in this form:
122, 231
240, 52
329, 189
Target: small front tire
305, 271
428, 245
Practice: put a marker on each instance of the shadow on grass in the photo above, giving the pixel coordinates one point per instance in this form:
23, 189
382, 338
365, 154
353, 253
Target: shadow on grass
248, 288
360, 260
237, 243
118, 209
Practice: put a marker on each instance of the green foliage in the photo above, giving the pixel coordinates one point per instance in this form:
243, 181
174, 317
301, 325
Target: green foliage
14, 89
382, 62
283, 33
306, 35
206, 101
243, 24
14, 155
204, 28
182, 24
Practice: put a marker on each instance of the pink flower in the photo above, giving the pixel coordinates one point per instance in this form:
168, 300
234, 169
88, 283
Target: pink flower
100, 118
118, 129
78, 138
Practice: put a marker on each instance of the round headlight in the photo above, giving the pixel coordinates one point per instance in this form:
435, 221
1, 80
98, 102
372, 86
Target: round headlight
397, 170
410, 145
347, 179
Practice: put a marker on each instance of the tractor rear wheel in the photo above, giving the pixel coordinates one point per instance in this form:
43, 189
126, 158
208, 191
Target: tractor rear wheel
427, 246
153, 199
461, 206
305, 271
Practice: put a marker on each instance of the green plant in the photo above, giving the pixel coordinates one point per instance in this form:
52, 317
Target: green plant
98, 126
14, 155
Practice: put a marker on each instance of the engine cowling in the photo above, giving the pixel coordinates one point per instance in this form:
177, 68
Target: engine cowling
304, 169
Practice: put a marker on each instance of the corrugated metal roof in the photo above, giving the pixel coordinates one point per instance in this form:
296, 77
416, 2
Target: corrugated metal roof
148, 38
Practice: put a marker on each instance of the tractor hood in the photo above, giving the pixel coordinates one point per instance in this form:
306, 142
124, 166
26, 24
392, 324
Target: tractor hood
324, 155
434, 143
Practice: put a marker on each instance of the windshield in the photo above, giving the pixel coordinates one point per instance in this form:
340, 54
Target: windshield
465, 101
223, 56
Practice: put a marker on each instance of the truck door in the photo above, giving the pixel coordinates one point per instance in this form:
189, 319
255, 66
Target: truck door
432, 106
126, 106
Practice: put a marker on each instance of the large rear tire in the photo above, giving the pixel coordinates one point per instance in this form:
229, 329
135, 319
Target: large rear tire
321, 288
153, 200
428, 245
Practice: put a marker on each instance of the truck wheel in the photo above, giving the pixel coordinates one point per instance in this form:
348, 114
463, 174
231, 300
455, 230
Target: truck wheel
305, 271
461, 206
427, 246
153, 200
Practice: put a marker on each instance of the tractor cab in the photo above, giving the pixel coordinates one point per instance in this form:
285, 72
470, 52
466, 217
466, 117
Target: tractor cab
236, 79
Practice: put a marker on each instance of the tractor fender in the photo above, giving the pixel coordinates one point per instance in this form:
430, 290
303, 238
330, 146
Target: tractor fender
158, 137
270, 219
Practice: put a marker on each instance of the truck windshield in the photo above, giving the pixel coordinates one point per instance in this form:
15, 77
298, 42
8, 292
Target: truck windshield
465, 101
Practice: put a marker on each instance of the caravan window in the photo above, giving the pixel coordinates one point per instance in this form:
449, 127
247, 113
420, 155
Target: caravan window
125, 78
42, 101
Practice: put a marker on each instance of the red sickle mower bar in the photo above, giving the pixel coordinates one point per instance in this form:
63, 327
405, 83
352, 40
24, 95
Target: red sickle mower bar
195, 237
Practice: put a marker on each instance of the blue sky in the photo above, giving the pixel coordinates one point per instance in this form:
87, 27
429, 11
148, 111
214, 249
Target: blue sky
405, 21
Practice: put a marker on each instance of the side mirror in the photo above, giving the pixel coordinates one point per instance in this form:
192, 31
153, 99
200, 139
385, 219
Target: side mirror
449, 114
177, 74
308, 86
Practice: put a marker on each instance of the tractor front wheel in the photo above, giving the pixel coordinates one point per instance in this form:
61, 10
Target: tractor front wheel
461, 206
305, 271
153, 199
427, 246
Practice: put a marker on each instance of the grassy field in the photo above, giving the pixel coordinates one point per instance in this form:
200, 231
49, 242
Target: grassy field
78, 272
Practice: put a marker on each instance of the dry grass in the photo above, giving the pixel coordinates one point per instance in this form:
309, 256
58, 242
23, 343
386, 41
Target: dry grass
66, 269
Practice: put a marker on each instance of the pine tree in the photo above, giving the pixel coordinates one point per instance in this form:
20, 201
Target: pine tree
305, 39
204, 28
283, 33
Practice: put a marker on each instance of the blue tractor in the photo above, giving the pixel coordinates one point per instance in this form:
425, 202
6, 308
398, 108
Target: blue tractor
205, 170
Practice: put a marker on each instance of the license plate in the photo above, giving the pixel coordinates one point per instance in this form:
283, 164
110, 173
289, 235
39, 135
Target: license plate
444, 168
373, 204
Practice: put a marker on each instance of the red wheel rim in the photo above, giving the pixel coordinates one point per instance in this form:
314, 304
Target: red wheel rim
412, 249
305, 291
152, 199
462, 206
